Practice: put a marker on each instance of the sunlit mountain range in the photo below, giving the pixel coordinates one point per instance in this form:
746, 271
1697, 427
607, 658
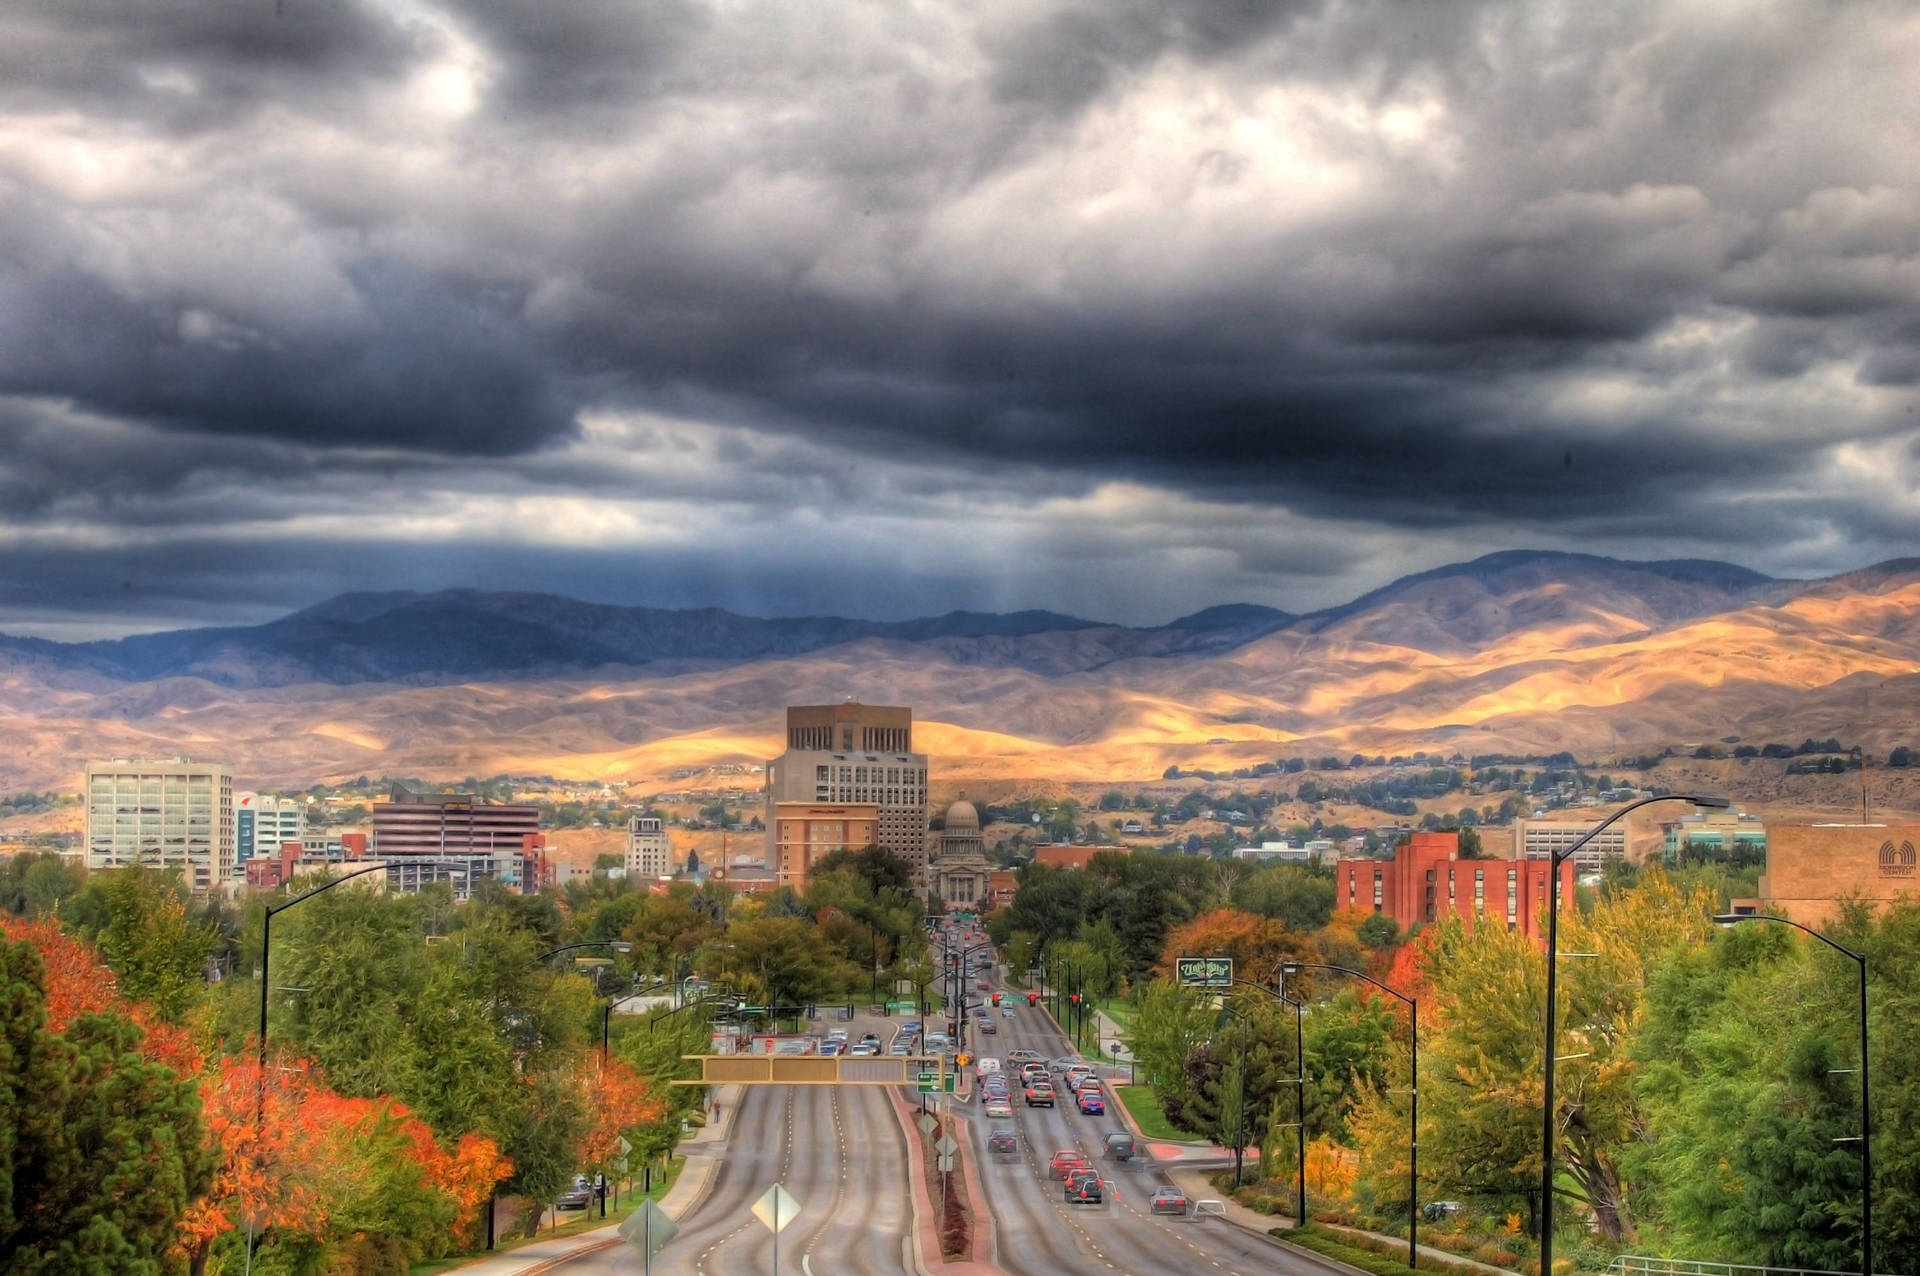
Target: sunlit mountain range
1516, 652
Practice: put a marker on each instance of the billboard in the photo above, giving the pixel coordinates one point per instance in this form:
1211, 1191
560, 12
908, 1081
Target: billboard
1204, 972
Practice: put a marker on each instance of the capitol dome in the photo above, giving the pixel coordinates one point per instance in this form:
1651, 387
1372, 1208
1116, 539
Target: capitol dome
961, 815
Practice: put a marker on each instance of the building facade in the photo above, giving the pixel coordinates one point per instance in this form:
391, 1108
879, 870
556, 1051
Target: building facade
458, 838
961, 877
807, 832
263, 823
1427, 880
1538, 839
1729, 835
649, 849
1813, 869
172, 814
861, 754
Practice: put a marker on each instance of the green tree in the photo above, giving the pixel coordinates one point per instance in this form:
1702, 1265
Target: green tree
101, 1150
1300, 896
159, 955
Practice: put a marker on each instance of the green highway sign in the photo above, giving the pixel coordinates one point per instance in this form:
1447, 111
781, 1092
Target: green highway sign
1204, 972
929, 1083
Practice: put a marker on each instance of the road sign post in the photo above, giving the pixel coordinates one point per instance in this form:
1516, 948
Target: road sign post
647, 1230
775, 1210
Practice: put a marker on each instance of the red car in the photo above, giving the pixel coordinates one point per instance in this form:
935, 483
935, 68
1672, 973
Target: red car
1064, 1160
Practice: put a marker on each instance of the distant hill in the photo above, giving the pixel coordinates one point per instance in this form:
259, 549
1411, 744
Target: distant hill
460, 635
1520, 652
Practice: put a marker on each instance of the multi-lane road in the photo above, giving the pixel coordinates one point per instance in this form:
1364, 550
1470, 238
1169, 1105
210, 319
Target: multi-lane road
842, 1154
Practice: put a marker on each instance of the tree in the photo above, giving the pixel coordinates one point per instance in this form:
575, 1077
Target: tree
1299, 896
880, 868
158, 954
101, 1149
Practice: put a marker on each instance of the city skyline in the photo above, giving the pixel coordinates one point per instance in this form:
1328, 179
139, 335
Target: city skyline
1116, 311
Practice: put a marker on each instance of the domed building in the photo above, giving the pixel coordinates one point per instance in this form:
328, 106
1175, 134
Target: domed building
962, 878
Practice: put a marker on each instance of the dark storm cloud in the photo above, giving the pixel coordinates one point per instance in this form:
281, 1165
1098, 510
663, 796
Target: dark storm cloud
1459, 269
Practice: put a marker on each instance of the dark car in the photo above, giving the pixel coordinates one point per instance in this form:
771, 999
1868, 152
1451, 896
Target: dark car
989, 1027
1003, 1143
1121, 1147
577, 1197
1168, 1200
1085, 1192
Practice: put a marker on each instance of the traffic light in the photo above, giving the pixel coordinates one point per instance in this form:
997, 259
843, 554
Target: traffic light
1074, 998
1033, 999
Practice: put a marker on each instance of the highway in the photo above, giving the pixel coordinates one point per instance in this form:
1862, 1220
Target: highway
842, 1154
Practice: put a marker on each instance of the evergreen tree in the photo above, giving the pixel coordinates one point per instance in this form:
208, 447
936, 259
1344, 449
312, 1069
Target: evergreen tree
101, 1149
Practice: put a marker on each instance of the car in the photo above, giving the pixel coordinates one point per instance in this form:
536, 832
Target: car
1023, 1056
865, 1050
577, 1197
1091, 1104
1063, 1160
1061, 1064
899, 1047
1168, 1200
1439, 1211
1006, 1012
911, 1025
1039, 1095
998, 1105
874, 1037
832, 1046
1003, 1143
1120, 1146
1085, 1192
985, 986
989, 1027
1001, 1091
1078, 1070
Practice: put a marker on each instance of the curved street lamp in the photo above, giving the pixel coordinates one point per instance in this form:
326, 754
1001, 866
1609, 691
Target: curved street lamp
1554, 861
1866, 1131
1413, 1111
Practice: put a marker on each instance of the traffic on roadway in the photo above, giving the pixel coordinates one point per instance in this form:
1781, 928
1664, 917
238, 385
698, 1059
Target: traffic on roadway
1068, 1190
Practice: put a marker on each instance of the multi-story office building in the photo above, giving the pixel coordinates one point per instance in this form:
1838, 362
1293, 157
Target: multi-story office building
855, 753
458, 838
649, 849
1426, 880
1539, 839
805, 833
172, 814
263, 824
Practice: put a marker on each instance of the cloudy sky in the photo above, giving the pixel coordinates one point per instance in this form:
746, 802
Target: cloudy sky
881, 307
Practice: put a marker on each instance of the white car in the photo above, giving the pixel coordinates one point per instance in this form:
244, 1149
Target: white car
999, 1106
863, 1050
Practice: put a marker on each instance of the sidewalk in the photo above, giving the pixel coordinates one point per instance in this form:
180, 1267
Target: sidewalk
699, 1156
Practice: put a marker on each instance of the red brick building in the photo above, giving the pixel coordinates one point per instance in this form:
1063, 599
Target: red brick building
1427, 880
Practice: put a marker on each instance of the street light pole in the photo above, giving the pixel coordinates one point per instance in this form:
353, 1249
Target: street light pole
1554, 860
1866, 1130
1413, 1110
266, 982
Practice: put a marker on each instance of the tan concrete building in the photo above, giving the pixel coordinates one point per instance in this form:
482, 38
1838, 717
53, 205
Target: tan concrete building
1812, 868
856, 753
649, 848
171, 814
1540, 839
804, 833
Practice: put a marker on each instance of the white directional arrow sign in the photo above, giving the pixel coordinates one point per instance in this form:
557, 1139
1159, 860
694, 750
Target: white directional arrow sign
776, 1209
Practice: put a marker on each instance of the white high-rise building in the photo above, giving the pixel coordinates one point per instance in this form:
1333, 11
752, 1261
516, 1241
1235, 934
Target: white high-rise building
649, 850
171, 814
262, 824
